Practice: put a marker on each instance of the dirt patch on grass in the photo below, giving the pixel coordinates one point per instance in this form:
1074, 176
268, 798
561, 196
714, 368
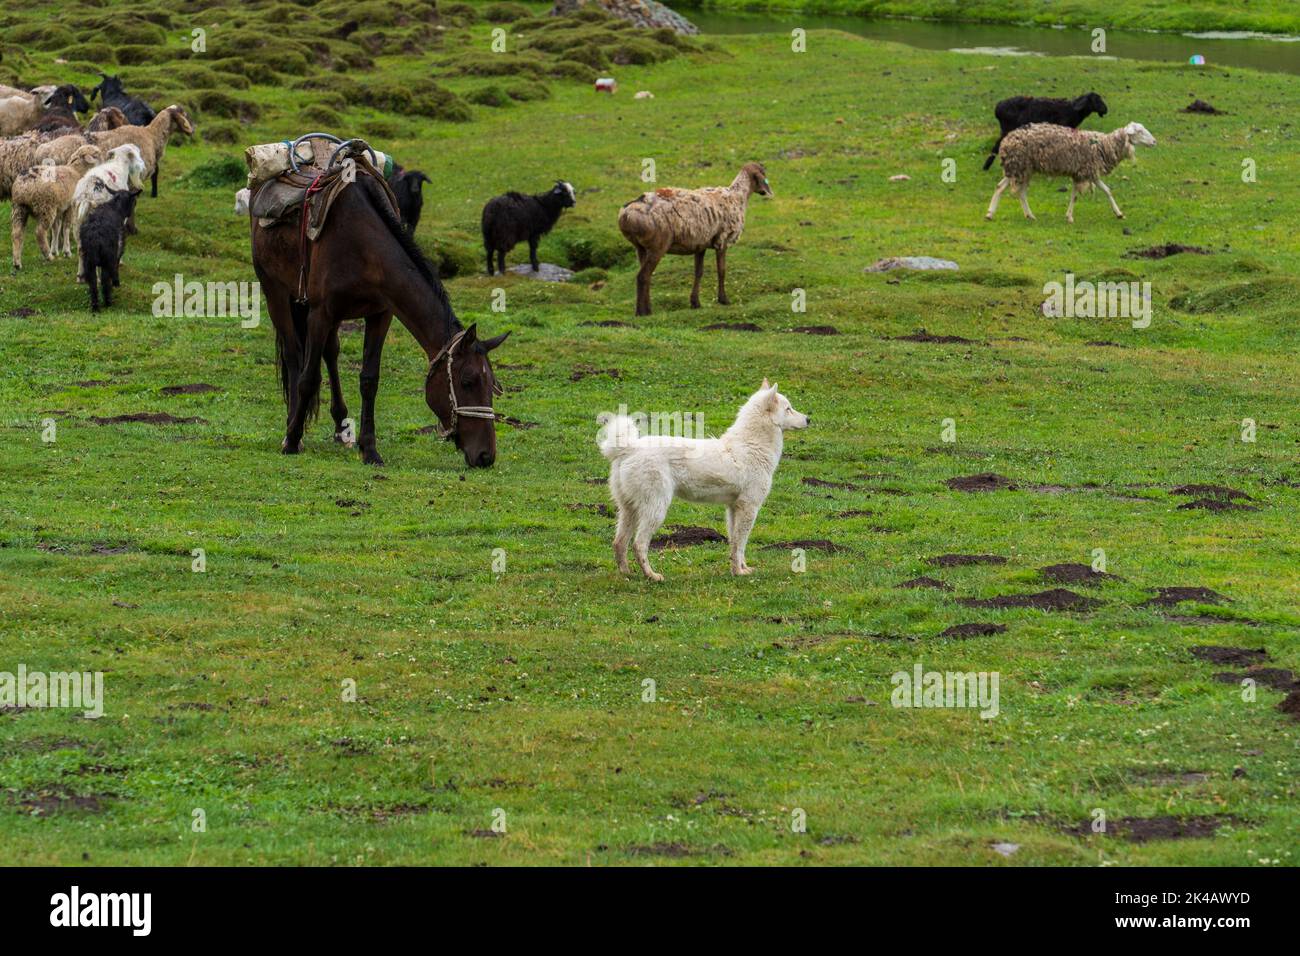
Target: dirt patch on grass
583, 370
1168, 597
1211, 491
985, 481
1165, 251
515, 422
681, 536
853, 513
1075, 574
660, 849
609, 324
921, 335
1277, 678
193, 388
801, 642
924, 582
962, 560
1215, 504
816, 330
1056, 599
1291, 705
807, 544
601, 508
92, 383
484, 834
1144, 829
973, 629
148, 418
1240, 656
731, 327
50, 800
1200, 106
822, 483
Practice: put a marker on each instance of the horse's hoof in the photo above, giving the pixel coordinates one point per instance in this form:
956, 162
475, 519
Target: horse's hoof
372, 458
288, 449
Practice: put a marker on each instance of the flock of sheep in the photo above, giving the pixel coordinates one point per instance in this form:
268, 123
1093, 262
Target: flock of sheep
79, 183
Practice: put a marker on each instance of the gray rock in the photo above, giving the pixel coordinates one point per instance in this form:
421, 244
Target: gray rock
546, 273
910, 262
648, 14
1006, 849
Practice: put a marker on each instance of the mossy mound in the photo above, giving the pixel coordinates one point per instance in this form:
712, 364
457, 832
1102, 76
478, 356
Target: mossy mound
226, 171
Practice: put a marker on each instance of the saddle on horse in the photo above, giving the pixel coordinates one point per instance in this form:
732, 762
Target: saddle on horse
306, 192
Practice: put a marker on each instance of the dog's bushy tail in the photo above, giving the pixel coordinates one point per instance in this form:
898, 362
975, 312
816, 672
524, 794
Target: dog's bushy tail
617, 434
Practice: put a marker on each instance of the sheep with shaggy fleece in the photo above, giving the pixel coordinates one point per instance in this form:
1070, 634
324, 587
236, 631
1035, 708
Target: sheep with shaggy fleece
123, 169
1061, 151
684, 222
45, 193
20, 110
19, 153
151, 139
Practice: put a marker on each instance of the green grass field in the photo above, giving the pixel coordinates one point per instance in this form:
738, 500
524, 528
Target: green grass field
518, 695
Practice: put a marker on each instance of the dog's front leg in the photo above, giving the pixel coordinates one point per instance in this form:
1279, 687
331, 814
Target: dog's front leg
741, 521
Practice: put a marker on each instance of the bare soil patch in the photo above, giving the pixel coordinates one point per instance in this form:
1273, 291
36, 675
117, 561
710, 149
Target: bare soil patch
1165, 251
148, 418
1056, 599
925, 582
1168, 597
1277, 678
193, 388
1217, 654
921, 335
816, 330
985, 481
609, 324
961, 560
49, 800
822, 483
681, 536
1143, 829
973, 629
731, 327
1075, 574
1200, 106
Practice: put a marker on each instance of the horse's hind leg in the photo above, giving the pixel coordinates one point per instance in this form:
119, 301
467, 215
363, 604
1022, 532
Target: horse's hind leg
338, 407
376, 331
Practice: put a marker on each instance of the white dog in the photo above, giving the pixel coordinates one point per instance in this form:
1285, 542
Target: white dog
647, 472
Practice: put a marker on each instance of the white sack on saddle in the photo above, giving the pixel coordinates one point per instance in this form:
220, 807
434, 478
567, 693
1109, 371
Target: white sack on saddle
269, 160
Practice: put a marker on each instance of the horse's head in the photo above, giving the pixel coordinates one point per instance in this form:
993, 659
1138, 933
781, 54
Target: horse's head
459, 390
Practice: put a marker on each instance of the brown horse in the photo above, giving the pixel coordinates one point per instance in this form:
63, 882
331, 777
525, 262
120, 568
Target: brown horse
363, 264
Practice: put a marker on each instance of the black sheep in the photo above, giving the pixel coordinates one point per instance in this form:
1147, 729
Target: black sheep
1019, 111
103, 240
406, 185
510, 219
136, 110
61, 109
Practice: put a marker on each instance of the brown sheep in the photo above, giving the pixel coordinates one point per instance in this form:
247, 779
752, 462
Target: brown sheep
1054, 150
151, 140
684, 222
45, 193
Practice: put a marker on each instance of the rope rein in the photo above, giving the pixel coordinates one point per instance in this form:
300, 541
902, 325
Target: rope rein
457, 410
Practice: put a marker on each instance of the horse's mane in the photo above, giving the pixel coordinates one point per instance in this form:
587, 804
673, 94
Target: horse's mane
379, 202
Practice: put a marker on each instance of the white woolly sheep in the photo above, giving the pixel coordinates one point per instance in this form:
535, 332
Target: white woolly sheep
684, 222
1054, 150
45, 193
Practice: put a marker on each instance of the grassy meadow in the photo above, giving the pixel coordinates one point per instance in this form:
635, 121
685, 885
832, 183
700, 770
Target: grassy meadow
513, 694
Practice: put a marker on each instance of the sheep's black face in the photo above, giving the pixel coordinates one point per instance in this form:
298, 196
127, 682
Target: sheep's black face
564, 192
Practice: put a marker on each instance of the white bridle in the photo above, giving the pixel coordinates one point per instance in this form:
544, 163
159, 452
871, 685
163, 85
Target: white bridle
457, 410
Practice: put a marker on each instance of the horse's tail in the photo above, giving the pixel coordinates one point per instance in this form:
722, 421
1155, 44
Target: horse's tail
288, 375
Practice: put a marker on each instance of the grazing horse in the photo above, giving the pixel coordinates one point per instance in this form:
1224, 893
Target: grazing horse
364, 264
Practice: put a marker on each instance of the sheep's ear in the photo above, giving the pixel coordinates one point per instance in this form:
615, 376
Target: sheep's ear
765, 384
